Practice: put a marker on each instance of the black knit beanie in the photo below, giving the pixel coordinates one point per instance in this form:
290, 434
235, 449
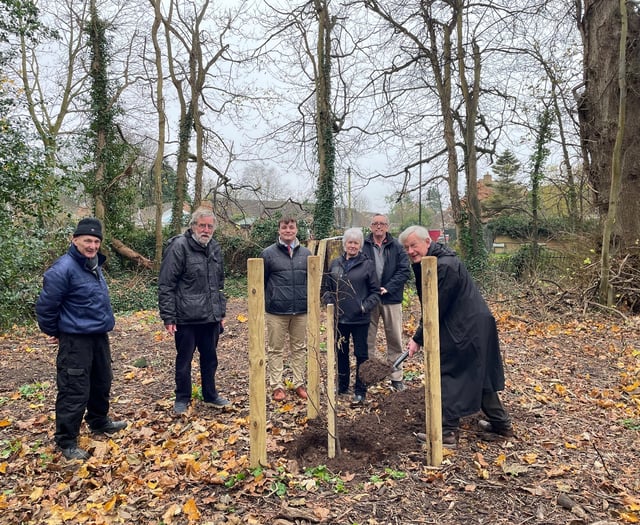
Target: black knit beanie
89, 226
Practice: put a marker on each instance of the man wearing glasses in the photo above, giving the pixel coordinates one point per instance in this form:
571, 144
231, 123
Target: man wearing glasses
392, 267
192, 305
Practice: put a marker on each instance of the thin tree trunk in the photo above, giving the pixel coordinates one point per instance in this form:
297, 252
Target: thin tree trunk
324, 211
162, 123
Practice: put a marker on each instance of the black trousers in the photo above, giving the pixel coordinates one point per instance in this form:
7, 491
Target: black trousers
204, 337
84, 383
358, 333
491, 407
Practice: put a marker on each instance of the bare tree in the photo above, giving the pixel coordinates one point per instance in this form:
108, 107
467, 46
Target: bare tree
320, 52
600, 102
162, 125
434, 37
606, 295
55, 73
195, 46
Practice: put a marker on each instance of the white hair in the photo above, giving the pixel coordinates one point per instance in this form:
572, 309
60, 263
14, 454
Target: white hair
420, 232
352, 234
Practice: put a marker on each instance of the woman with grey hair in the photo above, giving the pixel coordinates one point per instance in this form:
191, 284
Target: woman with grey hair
353, 286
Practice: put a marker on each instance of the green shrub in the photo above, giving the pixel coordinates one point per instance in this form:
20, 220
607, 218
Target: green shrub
133, 292
23, 259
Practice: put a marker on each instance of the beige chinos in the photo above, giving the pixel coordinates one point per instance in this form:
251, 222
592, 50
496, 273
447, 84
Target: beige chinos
391, 315
278, 326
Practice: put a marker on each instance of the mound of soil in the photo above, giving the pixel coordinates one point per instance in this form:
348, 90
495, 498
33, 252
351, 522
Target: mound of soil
381, 432
374, 370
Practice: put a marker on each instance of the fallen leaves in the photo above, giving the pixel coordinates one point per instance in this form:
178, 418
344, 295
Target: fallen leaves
572, 388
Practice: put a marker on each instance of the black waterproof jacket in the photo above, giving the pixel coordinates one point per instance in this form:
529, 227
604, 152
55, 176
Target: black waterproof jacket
470, 359
191, 282
285, 279
353, 286
396, 271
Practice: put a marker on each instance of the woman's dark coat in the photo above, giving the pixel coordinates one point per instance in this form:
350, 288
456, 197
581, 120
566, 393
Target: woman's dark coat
470, 359
353, 286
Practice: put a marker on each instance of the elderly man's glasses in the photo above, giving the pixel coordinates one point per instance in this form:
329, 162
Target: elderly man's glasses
379, 224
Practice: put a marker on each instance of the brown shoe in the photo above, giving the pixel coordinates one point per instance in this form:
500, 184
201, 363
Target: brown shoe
302, 393
279, 394
449, 440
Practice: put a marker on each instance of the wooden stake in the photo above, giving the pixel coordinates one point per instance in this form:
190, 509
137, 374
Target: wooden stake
331, 383
314, 276
257, 375
431, 334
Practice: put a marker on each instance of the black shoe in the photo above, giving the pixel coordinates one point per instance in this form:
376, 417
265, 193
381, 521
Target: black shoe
398, 386
218, 402
506, 431
111, 427
74, 453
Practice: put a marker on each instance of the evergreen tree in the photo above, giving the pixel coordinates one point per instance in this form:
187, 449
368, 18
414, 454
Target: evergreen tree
509, 197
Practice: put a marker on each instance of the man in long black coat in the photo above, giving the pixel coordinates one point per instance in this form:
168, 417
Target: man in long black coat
470, 360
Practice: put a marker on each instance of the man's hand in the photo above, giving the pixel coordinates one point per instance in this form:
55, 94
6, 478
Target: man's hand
171, 328
413, 347
383, 290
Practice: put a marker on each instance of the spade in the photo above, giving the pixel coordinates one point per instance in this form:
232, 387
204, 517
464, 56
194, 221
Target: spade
374, 370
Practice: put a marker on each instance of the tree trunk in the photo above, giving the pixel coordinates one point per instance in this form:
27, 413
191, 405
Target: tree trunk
475, 250
324, 211
599, 116
606, 295
184, 139
162, 123
130, 254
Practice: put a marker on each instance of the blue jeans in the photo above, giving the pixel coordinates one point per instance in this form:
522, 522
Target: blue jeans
204, 337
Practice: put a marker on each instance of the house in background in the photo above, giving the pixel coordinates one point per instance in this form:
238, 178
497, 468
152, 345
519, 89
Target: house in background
243, 213
146, 217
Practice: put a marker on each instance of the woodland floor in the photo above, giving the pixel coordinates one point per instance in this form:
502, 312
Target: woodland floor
573, 391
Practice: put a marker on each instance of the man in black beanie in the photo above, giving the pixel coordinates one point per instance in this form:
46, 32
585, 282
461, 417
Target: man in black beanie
75, 310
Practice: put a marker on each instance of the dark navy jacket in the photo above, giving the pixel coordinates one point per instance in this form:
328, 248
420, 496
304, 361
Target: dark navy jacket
74, 300
285, 279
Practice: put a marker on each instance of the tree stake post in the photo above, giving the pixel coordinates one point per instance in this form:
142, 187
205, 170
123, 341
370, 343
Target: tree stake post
257, 389
314, 276
431, 334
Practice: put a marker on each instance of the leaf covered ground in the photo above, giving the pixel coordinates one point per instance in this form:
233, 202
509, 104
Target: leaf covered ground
573, 390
